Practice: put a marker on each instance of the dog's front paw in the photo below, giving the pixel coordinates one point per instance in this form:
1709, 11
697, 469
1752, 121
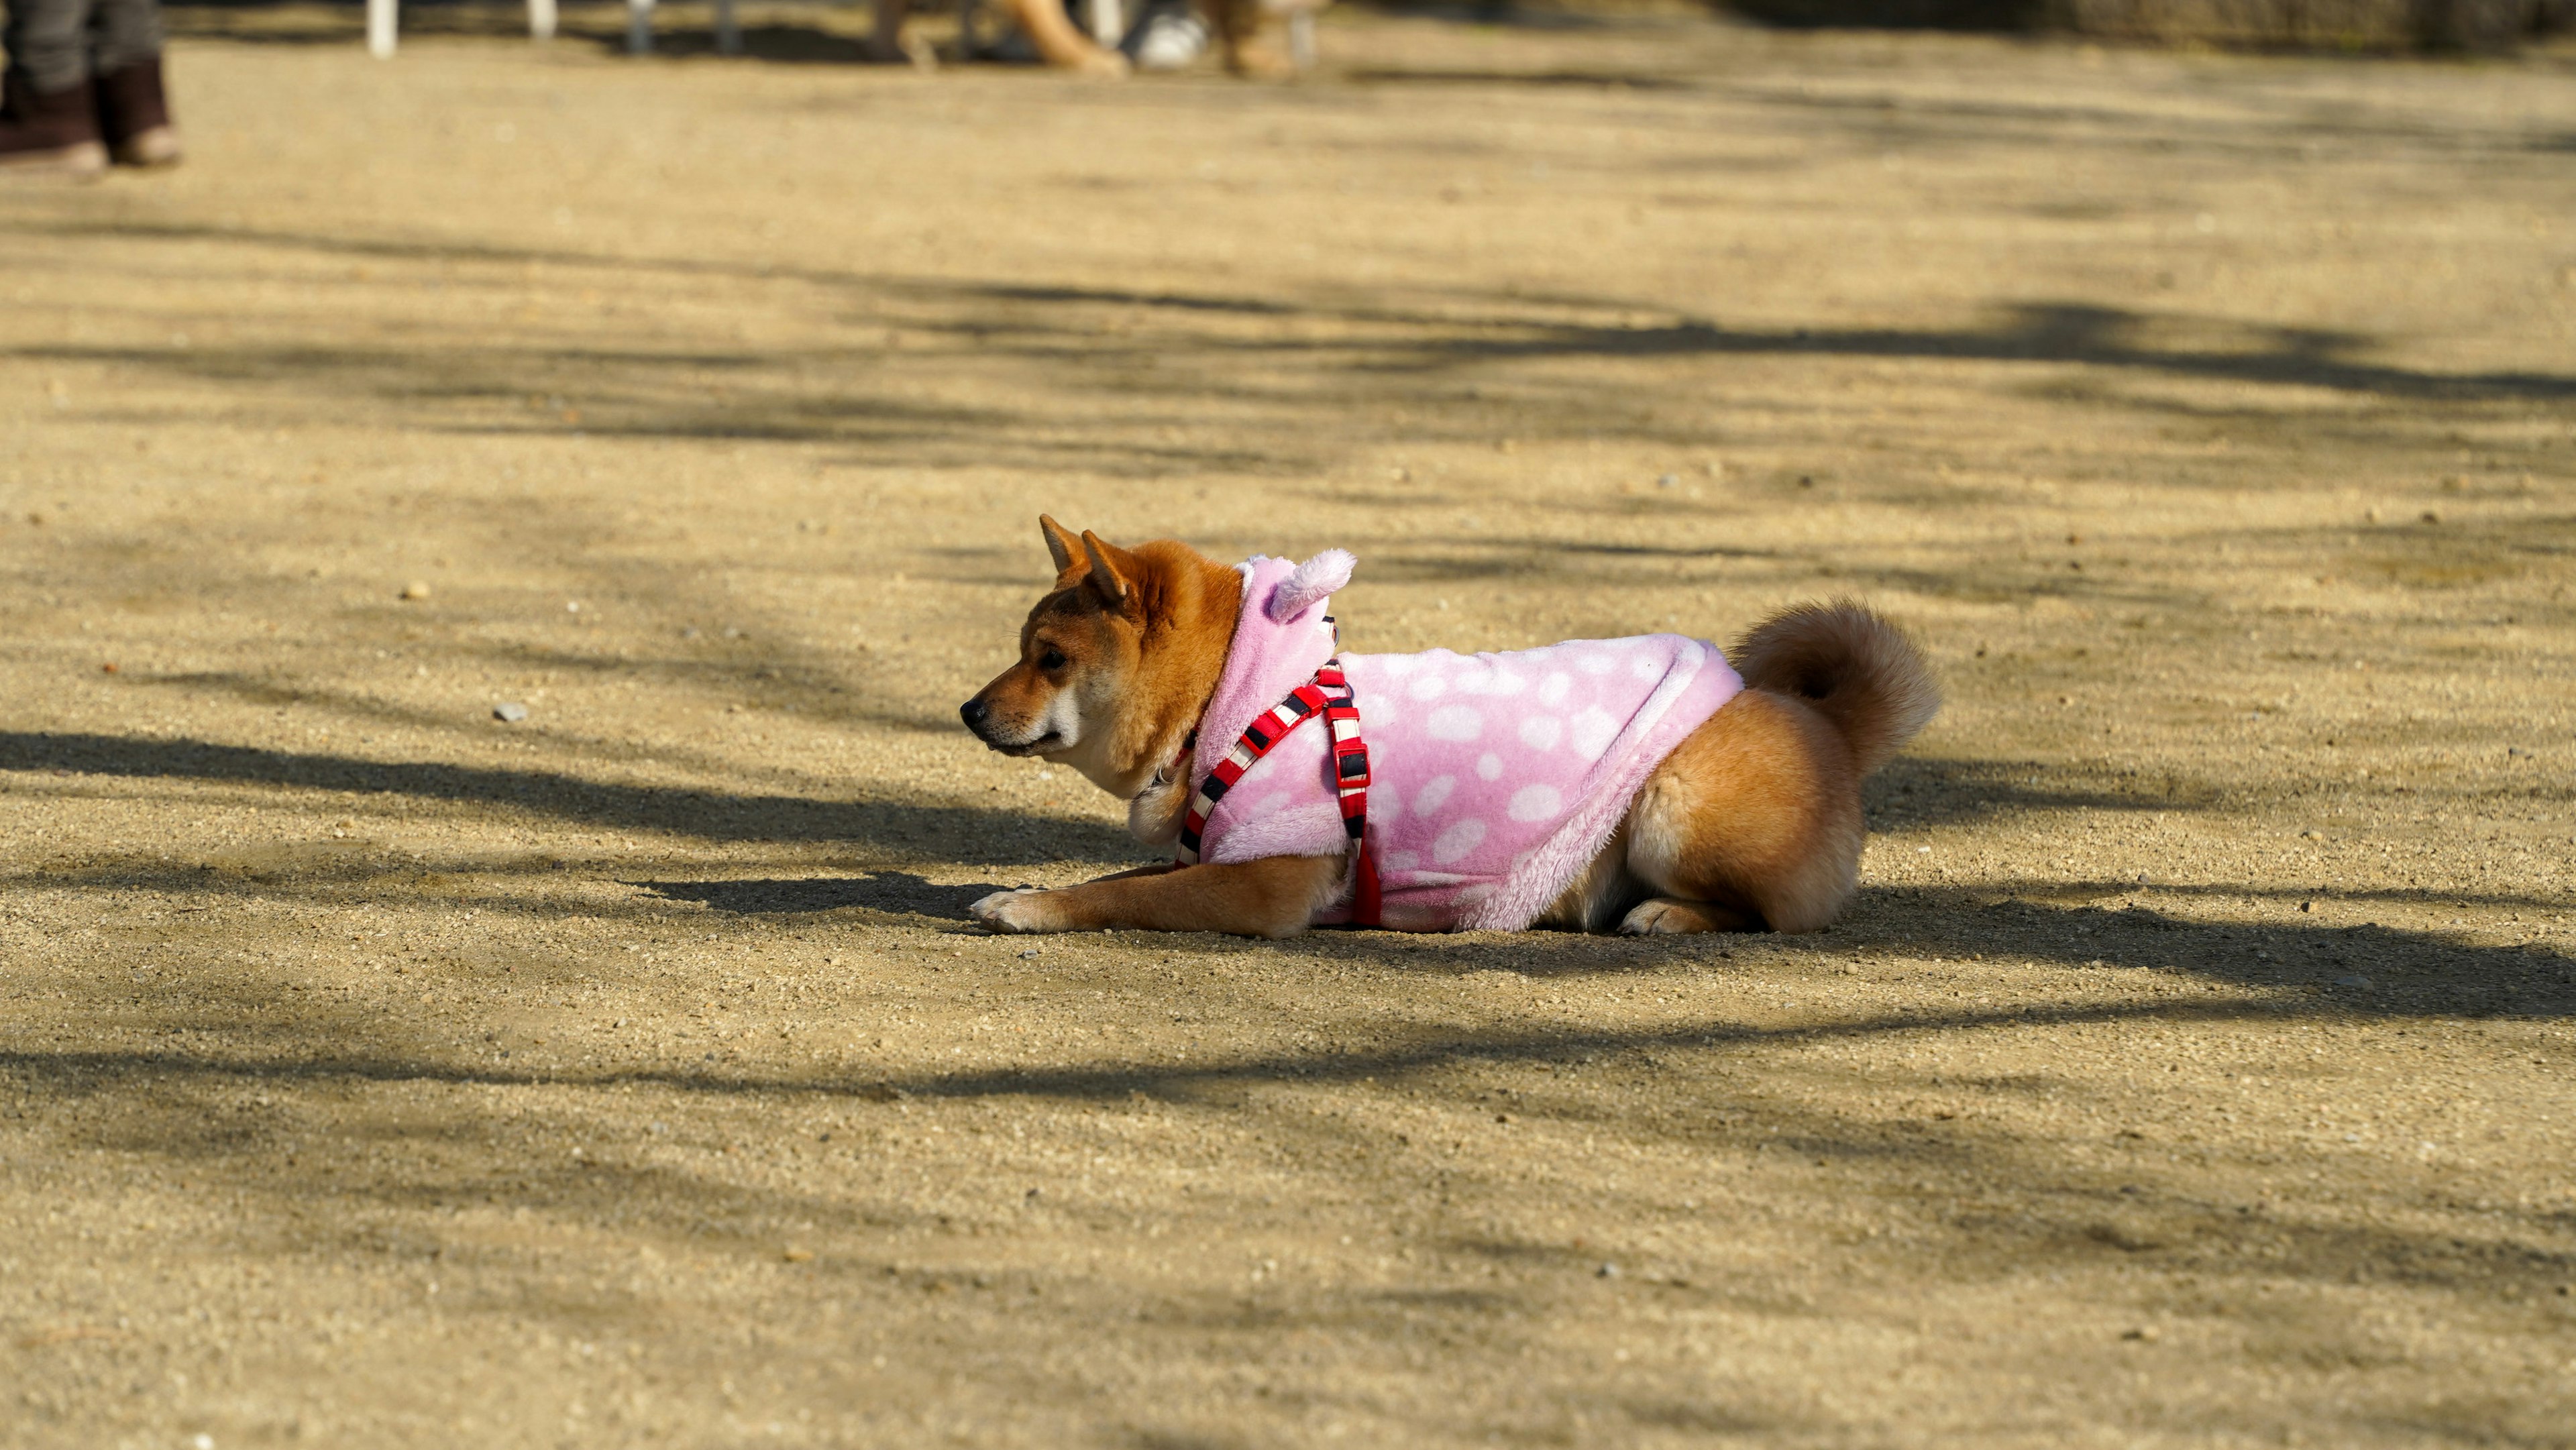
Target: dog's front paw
1026, 909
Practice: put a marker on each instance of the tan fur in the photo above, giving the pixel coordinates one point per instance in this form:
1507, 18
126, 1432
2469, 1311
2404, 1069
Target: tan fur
1275, 897
1755, 816
1858, 670
1143, 634
1753, 821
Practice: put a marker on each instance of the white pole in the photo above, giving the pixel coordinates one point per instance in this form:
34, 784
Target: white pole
1108, 26
639, 27
380, 28
541, 19
728, 34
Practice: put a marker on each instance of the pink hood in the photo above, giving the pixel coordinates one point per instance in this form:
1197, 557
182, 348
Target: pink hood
1498, 777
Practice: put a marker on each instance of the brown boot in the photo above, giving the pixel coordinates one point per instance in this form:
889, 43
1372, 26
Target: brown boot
51, 135
134, 116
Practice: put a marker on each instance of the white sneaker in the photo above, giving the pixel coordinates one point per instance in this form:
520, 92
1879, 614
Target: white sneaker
1169, 40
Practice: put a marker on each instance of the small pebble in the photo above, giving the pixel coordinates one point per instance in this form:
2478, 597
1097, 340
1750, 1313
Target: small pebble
416, 589
511, 711
1606, 1271
795, 1255
2355, 981
2146, 1333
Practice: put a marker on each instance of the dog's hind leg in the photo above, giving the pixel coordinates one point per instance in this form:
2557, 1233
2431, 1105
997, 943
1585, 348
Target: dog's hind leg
1754, 820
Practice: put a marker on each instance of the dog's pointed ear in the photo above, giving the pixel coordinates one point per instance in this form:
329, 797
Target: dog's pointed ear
1113, 570
1062, 543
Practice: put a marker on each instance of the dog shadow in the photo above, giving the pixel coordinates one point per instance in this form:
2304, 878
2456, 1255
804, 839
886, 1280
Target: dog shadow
889, 891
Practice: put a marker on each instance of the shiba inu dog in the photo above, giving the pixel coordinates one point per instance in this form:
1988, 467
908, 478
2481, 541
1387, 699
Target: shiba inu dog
1646, 785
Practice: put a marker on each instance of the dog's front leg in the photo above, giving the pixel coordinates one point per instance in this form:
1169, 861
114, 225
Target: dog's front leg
1274, 897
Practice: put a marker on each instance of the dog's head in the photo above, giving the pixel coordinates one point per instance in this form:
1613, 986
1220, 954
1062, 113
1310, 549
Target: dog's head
1115, 661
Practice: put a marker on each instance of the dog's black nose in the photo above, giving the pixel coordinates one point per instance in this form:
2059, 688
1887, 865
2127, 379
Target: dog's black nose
973, 713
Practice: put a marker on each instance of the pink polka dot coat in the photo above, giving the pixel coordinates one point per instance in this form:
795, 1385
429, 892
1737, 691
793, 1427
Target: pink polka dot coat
1497, 777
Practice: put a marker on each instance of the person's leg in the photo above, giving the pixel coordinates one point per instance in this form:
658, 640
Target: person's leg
1238, 31
48, 112
133, 109
1060, 42
48, 44
128, 34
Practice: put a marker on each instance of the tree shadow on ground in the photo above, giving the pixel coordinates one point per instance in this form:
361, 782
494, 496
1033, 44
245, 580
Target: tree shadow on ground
890, 891
2405, 970
2073, 1208
1198, 342
952, 832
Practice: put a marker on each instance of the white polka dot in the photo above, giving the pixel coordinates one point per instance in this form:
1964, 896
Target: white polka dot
1433, 795
1552, 689
1472, 895
1596, 662
1541, 732
1593, 731
1489, 766
1644, 667
1384, 802
1691, 655
1429, 687
1272, 801
1393, 664
1536, 802
1460, 838
1401, 861
1506, 683
1455, 722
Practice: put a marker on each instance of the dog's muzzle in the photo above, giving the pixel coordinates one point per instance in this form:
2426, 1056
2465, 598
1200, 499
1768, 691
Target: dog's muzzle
979, 718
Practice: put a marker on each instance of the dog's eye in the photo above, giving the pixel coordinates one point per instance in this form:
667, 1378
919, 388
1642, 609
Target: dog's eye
1051, 658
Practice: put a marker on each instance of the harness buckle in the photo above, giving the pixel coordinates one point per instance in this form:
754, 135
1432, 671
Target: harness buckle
1351, 766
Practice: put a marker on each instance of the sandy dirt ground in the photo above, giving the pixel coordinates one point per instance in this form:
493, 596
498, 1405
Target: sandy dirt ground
2194, 1068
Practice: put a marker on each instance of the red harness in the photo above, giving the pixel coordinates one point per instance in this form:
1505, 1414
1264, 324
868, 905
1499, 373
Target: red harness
1328, 693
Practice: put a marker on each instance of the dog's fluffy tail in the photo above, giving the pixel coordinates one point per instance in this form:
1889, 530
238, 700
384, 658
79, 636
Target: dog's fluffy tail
1858, 671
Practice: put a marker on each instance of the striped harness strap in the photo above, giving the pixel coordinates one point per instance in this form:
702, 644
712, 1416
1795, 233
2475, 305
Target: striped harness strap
1328, 694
